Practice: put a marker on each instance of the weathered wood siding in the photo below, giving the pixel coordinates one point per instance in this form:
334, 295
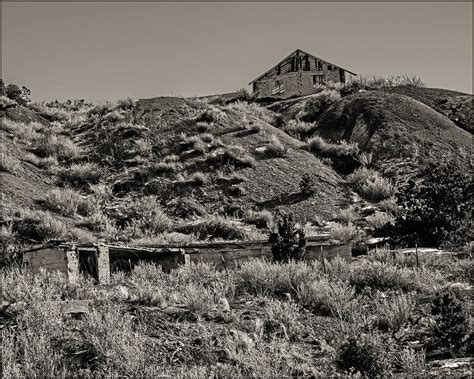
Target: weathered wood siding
51, 258
66, 257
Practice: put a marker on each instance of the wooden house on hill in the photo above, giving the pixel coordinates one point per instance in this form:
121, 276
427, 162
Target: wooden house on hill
297, 75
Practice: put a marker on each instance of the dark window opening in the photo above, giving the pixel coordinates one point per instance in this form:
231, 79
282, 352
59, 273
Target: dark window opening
320, 66
279, 70
318, 79
307, 65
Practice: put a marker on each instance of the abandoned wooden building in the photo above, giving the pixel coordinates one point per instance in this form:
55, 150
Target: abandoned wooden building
99, 260
299, 74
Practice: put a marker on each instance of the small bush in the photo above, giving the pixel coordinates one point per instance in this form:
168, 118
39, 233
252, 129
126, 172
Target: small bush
371, 185
197, 179
344, 233
216, 227
299, 129
261, 219
343, 155
56, 146
69, 202
231, 155
211, 115
6, 103
100, 223
307, 184
347, 216
126, 103
379, 219
327, 298
452, 321
363, 354
281, 320
252, 109
147, 216
79, 175
393, 313
9, 164
274, 148
288, 241
319, 103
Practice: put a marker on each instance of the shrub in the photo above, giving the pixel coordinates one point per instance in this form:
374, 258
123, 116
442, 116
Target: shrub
261, 219
288, 241
147, 215
379, 219
98, 222
69, 202
347, 216
435, 206
161, 168
274, 148
344, 233
253, 109
363, 354
47, 163
281, 320
393, 313
216, 227
211, 115
307, 184
125, 104
366, 159
327, 298
9, 164
231, 155
452, 321
197, 179
56, 146
299, 129
21, 96
370, 184
79, 175
6, 103
343, 155
319, 103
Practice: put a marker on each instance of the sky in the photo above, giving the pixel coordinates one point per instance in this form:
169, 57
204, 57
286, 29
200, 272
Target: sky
108, 51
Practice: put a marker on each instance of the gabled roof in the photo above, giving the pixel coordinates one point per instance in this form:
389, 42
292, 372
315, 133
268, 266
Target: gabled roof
294, 53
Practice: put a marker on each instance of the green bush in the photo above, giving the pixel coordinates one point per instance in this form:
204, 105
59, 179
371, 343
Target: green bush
319, 103
452, 324
364, 354
79, 175
343, 155
288, 241
370, 184
307, 184
435, 206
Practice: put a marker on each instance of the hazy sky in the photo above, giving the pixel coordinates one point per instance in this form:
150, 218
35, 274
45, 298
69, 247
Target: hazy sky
101, 51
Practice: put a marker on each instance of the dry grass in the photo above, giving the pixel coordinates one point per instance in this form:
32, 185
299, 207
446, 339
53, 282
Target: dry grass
216, 324
371, 185
9, 164
69, 202
79, 175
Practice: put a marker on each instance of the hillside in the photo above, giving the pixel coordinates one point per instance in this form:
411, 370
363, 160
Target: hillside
206, 172
178, 170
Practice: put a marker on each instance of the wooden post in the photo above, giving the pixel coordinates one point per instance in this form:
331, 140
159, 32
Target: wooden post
416, 255
322, 259
103, 263
225, 267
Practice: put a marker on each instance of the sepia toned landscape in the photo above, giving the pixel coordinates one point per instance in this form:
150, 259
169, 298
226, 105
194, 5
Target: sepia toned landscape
314, 224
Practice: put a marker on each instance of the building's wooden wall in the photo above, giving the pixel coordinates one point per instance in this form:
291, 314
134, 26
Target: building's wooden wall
222, 255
